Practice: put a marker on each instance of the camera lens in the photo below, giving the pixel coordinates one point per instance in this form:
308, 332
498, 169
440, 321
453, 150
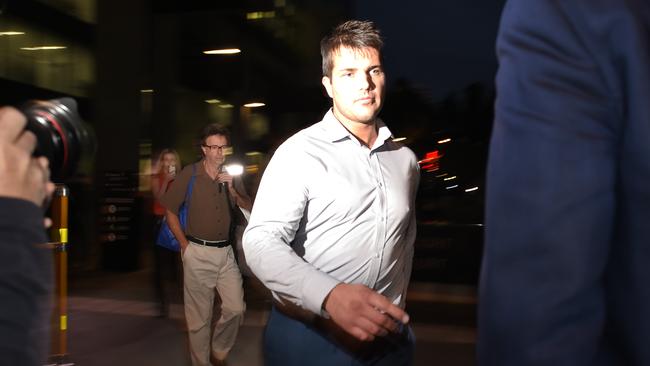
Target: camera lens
62, 137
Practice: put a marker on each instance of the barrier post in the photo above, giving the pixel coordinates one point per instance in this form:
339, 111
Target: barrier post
59, 242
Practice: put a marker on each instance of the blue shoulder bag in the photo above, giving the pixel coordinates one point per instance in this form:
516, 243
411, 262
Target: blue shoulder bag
166, 238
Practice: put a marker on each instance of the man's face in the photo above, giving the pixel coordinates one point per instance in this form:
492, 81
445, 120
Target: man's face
215, 149
356, 85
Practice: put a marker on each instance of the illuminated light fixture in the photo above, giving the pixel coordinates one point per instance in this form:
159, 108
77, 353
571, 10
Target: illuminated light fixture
442, 175
444, 141
224, 51
11, 33
226, 106
260, 15
471, 189
43, 48
451, 178
146, 90
254, 105
253, 153
452, 187
398, 139
212, 101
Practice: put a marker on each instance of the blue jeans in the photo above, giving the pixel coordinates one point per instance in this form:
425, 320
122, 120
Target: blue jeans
291, 342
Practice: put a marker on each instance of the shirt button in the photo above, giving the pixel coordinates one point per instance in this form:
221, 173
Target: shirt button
377, 256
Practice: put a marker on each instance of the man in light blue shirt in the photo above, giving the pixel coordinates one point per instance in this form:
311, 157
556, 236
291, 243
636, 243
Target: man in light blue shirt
333, 225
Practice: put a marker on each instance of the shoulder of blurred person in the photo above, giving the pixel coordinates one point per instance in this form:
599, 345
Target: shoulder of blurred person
566, 202
25, 262
25, 283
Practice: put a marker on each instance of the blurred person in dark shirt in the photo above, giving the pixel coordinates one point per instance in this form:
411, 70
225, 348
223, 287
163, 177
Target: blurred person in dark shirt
565, 270
25, 262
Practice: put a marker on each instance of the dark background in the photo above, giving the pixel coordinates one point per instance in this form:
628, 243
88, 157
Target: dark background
137, 70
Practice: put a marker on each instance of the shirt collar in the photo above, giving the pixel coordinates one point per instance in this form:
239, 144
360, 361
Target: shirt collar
201, 168
337, 132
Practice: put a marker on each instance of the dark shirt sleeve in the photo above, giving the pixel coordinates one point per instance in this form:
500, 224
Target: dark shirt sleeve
553, 177
239, 186
175, 195
25, 284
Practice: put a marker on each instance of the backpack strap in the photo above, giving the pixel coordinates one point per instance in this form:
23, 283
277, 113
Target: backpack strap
190, 186
188, 193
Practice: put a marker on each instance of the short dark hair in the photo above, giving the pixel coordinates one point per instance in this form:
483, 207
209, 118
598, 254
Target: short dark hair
355, 34
211, 130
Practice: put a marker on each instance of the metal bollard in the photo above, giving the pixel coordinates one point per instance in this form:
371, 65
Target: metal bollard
59, 242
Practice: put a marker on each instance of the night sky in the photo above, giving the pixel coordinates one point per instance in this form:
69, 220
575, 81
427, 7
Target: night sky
438, 46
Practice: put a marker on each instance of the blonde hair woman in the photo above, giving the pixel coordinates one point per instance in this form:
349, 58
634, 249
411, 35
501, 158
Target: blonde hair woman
166, 266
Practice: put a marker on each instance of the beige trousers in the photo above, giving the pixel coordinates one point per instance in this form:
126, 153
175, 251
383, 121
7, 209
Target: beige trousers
205, 270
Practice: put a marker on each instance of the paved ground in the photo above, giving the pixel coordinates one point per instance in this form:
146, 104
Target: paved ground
113, 321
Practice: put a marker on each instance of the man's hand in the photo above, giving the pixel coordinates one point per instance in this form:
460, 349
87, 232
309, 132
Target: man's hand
225, 178
363, 312
21, 175
239, 199
183, 243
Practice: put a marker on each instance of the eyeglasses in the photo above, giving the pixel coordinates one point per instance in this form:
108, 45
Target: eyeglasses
223, 148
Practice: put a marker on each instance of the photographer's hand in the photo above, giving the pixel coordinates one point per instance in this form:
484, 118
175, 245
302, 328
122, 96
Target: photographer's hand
21, 175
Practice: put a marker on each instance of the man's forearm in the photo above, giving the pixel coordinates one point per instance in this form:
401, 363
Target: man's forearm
175, 226
244, 202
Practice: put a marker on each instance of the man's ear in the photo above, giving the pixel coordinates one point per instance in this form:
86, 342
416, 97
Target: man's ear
327, 83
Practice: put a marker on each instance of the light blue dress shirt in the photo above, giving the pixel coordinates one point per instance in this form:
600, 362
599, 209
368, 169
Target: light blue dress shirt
331, 210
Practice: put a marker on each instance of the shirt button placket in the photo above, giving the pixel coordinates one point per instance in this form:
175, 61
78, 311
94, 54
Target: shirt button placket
381, 227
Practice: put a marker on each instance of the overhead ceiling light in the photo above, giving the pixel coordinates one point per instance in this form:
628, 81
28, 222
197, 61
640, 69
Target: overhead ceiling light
254, 105
146, 90
260, 15
212, 101
398, 139
444, 141
11, 33
226, 106
224, 51
41, 48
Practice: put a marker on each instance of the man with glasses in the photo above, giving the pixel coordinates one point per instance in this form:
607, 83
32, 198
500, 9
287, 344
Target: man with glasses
208, 258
